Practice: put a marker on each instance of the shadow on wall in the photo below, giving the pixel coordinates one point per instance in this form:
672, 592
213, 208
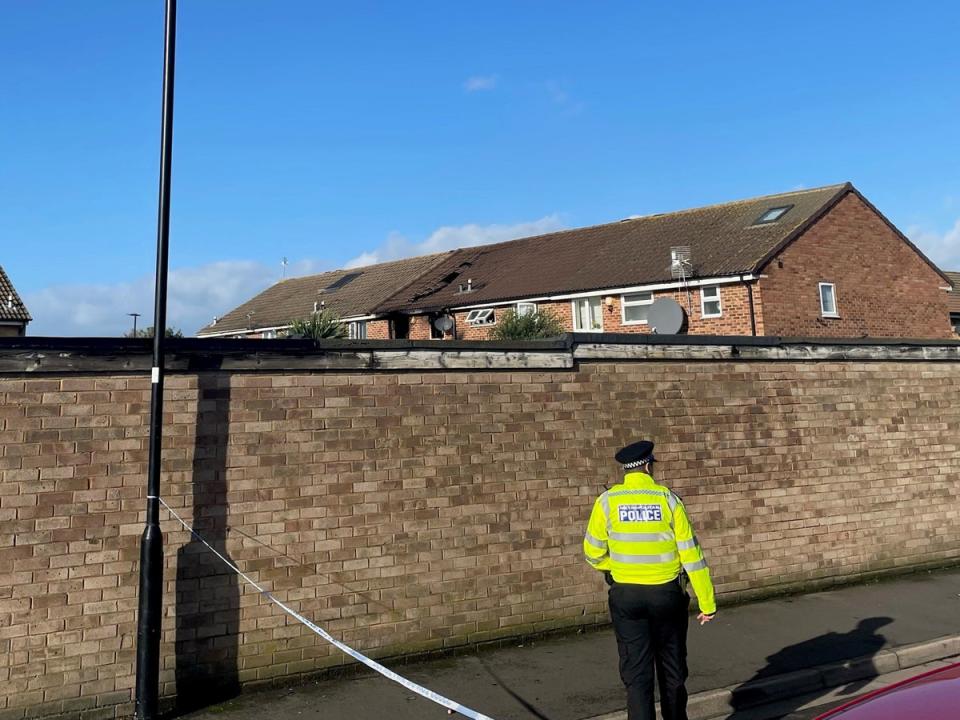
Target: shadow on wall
862, 642
208, 593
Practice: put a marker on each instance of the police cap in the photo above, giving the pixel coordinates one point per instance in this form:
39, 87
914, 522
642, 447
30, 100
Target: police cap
635, 455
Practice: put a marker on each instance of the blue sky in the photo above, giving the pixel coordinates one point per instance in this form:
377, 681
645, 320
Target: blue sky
333, 133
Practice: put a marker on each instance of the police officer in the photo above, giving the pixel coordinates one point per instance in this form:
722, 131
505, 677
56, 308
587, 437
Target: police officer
640, 538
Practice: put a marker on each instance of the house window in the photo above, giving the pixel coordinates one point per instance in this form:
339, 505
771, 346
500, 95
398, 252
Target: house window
772, 215
587, 316
828, 300
526, 309
710, 302
358, 330
483, 316
269, 334
636, 307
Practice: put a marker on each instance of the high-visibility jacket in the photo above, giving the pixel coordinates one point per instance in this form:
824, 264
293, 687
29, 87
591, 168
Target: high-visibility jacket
639, 532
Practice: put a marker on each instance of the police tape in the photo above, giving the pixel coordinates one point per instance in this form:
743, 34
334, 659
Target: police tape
373, 664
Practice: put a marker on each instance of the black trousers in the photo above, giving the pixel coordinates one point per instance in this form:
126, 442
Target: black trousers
650, 622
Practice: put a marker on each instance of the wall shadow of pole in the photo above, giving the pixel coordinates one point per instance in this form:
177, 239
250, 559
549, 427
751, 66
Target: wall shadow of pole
861, 642
208, 592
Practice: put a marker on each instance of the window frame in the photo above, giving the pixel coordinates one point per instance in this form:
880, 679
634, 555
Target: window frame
625, 303
354, 331
704, 300
576, 315
488, 316
783, 208
833, 290
519, 309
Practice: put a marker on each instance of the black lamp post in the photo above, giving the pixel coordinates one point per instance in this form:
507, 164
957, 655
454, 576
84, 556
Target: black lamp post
134, 316
151, 543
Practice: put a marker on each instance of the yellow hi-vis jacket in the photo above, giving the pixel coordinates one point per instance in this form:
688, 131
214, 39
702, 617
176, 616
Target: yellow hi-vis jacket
639, 531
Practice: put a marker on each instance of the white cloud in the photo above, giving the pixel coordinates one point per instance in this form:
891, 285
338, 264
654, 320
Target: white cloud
943, 249
561, 96
452, 237
194, 296
480, 82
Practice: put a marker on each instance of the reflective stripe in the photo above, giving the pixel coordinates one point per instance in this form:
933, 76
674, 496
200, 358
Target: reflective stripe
672, 501
590, 539
594, 561
693, 567
605, 504
641, 537
637, 491
688, 544
644, 559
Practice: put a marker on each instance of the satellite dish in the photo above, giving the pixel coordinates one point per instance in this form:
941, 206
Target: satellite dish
443, 323
666, 317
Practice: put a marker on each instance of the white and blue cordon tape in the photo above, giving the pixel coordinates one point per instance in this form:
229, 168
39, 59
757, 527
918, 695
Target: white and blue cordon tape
373, 664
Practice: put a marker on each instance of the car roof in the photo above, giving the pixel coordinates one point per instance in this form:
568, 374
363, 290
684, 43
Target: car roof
933, 694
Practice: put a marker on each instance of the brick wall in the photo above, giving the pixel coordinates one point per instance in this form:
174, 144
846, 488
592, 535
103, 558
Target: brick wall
734, 320
378, 329
407, 511
883, 288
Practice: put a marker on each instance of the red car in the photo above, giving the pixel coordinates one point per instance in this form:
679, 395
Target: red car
934, 695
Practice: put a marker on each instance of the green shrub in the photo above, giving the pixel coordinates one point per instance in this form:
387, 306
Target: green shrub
319, 326
531, 326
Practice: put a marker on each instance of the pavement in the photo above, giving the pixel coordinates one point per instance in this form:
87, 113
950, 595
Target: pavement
784, 654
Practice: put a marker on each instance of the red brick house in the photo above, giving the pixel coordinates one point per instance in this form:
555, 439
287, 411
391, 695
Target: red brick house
953, 301
821, 262
814, 263
13, 313
352, 295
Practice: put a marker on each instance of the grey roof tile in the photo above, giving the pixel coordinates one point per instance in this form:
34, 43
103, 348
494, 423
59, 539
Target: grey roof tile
11, 306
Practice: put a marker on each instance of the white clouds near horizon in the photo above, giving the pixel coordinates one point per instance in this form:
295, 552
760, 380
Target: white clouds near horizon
194, 296
942, 248
451, 237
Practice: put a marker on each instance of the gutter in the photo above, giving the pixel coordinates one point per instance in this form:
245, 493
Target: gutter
725, 280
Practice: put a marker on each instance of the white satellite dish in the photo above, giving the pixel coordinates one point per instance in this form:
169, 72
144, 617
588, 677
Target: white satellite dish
666, 317
443, 323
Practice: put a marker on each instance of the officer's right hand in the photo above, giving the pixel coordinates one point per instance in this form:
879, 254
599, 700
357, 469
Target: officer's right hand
704, 618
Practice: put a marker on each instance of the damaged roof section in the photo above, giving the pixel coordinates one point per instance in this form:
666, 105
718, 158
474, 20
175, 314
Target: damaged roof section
728, 239
348, 293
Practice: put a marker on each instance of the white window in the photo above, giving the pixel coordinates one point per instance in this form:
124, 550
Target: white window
587, 316
636, 307
828, 300
269, 334
526, 309
358, 330
483, 316
710, 302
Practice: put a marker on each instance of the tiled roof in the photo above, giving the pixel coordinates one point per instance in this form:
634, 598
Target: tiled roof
953, 298
724, 240
11, 306
348, 293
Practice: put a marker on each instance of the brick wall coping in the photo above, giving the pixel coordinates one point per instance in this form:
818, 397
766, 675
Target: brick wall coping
33, 355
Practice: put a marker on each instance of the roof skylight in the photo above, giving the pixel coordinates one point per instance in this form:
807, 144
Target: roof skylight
342, 281
772, 215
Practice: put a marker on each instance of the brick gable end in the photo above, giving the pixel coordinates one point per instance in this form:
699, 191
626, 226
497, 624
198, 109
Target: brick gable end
884, 288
